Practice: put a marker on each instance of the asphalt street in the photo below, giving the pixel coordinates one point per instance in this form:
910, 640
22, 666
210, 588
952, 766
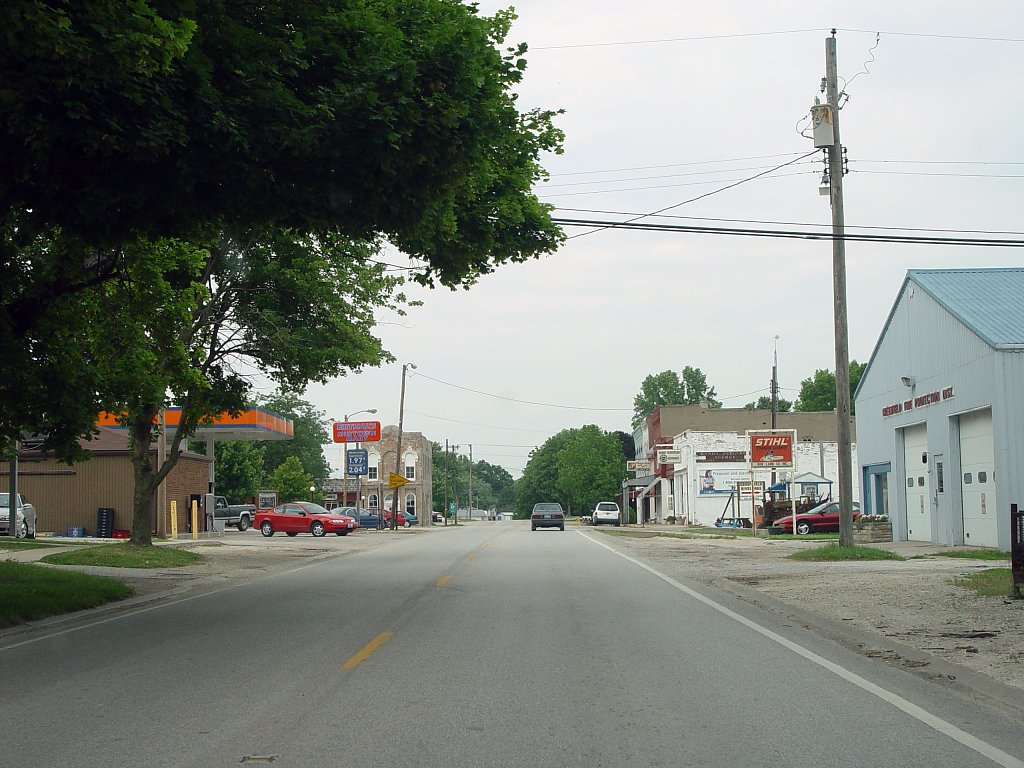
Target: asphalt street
488, 645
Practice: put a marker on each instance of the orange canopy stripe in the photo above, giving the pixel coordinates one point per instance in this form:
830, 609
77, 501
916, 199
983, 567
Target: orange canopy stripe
255, 419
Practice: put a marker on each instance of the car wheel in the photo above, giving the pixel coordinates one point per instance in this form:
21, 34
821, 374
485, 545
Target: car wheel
618, 525
317, 529
533, 528
803, 528
243, 523
267, 529
292, 533
561, 527
407, 524
24, 530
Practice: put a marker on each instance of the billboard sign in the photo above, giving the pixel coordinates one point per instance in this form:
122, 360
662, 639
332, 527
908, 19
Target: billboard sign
356, 431
638, 466
771, 450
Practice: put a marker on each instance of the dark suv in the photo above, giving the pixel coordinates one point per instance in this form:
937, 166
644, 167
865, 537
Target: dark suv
547, 515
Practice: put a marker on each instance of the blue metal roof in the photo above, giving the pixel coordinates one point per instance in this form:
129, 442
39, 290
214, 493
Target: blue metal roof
990, 302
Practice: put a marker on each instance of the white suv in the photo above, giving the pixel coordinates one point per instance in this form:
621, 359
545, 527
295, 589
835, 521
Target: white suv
605, 512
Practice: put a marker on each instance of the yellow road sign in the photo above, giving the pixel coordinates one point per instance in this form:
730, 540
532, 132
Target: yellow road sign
396, 481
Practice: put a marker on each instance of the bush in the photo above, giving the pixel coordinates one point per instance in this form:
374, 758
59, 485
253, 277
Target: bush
671, 519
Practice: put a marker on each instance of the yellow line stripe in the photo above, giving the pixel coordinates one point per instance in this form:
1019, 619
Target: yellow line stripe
367, 651
470, 556
443, 580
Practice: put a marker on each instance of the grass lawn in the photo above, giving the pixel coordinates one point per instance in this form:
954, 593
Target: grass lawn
833, 552
992, 582
29, 592
974, 554
126, 556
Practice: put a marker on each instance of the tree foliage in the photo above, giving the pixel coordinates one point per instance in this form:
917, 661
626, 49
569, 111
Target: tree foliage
246, 131
291, 481
239, 469
764, 402
162, 118
493, 486
669, 388
576, 467
309, 434
818, 392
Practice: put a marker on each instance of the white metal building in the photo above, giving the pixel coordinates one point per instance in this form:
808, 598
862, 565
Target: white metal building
940, 408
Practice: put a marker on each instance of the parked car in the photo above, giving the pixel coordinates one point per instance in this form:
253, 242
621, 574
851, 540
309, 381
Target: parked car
368, 518
297, 517
25, 516
821, 519
605, 513
405, 519
437, 517
547, 515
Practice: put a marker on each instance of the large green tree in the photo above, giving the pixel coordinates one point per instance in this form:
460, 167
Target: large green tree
818, 392
576, 467
295, 307
239, 469
765, 402
309, 429
291, 481
671, 388
127, 126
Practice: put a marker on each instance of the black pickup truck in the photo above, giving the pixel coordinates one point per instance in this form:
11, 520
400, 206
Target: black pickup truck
238, 515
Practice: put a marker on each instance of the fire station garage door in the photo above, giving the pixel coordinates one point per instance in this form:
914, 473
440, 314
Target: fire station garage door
919, 509
977, 479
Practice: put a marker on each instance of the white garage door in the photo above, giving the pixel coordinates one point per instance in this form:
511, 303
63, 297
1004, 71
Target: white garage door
919, 511
977, 479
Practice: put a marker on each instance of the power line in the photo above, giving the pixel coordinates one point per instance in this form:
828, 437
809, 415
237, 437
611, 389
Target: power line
788, 234
797, 224
707, 194
677, 165
663, 176
514, 400
671, 186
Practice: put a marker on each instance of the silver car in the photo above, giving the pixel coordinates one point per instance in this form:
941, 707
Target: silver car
26, 517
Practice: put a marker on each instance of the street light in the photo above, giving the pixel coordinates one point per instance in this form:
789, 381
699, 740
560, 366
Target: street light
344, 463
398, 448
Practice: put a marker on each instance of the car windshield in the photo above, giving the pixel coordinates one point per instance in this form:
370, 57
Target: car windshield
315, 509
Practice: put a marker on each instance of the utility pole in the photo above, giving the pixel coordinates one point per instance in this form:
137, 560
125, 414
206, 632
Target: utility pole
470, 481
835, 173
775, 392
445, 509
399, 470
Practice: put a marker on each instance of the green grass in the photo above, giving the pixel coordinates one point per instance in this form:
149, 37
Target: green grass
126, 556
974, 554
29, 592
833, 552
992, 582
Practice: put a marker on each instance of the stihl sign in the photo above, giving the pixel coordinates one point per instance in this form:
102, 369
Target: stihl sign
774, 450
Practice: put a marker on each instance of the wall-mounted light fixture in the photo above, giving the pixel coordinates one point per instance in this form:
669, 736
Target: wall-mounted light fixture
908, 381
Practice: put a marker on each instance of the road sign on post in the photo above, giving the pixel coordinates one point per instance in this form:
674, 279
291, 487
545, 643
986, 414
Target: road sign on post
771, 449
396, 481
356, 431
357, 462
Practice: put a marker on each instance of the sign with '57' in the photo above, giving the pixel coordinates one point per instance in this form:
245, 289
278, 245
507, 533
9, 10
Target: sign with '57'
771, 449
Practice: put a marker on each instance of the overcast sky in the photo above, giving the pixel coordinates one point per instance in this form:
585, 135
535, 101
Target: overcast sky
666, 101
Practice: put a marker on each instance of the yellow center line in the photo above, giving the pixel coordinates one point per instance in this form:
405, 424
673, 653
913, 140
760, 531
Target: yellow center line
470, 556
367, 651
443, 580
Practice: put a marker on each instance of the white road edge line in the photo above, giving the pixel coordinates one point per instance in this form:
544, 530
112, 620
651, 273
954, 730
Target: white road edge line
983, 748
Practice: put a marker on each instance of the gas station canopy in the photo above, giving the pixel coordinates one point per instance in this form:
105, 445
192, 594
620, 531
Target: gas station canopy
251, 424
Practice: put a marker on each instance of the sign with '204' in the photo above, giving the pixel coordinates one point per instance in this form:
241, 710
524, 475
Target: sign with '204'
771, 450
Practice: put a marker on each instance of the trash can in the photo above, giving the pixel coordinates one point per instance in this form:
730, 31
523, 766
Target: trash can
105, 522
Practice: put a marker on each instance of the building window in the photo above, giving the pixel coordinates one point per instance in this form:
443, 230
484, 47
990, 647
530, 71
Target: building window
410, 504
968, 478
920, 482
388, 501
910, 482
940, 477
410, 472
371, 501
371, 473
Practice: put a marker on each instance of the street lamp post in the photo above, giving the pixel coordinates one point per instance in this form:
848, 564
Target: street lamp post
398, 448
344, 464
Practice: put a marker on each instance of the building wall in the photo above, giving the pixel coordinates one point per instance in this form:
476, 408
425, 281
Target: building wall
68, 496
924, 341
819, 458
382, 455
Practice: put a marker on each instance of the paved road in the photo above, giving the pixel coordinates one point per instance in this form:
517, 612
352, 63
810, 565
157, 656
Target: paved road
483, 646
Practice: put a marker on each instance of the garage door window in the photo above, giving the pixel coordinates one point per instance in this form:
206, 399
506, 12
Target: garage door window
983, 477
968, 478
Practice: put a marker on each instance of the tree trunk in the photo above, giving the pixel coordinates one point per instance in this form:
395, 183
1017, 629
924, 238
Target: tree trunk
141, 431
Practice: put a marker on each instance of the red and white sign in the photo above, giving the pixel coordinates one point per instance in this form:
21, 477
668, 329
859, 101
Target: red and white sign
356, 431
771, 450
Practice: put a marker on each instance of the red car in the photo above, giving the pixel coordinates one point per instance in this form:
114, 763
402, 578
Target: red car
405, 520
297, 517
820, 519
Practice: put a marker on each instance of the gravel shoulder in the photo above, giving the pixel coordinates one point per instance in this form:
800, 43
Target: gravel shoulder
908, 613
